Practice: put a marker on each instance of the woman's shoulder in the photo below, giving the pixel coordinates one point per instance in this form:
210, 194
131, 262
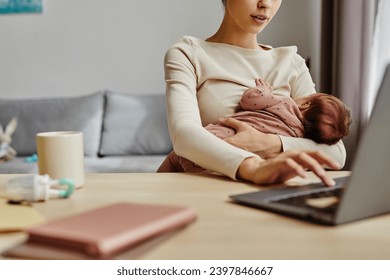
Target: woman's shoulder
290, 53
188, 41
184, 47
285, 50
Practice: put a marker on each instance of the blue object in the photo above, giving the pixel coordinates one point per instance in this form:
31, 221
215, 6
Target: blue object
32, 158
69, 191
20, 6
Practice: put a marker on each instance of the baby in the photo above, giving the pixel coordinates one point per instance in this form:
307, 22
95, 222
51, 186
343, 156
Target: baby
320, 117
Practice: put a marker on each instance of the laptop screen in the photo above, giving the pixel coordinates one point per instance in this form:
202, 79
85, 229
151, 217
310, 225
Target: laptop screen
369, 191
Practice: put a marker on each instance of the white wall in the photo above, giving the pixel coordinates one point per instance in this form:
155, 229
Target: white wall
79, 46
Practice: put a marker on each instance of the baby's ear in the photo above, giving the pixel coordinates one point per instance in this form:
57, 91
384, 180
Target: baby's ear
304, 105
11, 126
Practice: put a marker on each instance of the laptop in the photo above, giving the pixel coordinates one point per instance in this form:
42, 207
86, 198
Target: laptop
365, 193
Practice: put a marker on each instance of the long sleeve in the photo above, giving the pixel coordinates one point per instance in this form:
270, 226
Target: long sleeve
336, 152
189, 138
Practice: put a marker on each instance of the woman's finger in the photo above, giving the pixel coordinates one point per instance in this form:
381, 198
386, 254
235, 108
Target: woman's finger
324, 159
233, 123
312, 164
309, 163
297, 168
305, 160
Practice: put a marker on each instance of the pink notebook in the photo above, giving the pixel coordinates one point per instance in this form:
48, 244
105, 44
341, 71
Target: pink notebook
109, 230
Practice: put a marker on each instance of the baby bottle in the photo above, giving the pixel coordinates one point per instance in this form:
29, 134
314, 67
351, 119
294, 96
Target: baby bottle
37, 188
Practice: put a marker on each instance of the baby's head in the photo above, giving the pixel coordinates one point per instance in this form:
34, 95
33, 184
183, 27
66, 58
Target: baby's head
325, 118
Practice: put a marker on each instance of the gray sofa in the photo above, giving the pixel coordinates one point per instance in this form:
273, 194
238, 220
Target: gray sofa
122, 132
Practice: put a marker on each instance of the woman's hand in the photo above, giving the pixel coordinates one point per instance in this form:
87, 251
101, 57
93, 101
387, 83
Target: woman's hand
286, 166
248, 138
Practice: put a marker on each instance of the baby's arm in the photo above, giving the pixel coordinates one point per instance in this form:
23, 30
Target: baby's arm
259, 97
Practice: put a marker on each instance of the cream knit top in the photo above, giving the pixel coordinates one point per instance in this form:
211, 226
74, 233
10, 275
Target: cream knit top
205, 81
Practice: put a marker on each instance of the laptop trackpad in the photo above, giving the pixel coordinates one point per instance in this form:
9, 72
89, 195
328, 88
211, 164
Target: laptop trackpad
322, 202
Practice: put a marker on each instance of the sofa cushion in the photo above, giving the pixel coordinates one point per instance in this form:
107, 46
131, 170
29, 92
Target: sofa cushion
114, 164
134, 125
83, 113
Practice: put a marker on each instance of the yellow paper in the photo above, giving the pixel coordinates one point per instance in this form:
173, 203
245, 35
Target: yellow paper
17, 217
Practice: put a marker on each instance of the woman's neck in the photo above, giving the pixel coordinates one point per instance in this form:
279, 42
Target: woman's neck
233, 36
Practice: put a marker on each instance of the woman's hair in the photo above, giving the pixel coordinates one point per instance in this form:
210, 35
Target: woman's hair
224, 2
327, 119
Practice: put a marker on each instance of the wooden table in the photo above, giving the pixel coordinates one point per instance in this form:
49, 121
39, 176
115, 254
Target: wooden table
223, 230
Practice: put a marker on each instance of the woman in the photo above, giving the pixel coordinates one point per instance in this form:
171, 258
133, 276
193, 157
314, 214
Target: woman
205, 80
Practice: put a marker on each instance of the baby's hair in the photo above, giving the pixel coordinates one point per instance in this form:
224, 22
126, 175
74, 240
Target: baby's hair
327, 119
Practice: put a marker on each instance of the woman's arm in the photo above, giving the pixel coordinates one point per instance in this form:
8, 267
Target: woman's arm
189, 138
269, 145
337, 151
285, 166
247, 138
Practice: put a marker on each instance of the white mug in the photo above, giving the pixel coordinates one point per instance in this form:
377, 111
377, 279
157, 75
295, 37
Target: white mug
61, 155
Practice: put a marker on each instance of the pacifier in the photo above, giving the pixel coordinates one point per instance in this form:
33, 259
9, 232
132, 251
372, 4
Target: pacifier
37, 188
